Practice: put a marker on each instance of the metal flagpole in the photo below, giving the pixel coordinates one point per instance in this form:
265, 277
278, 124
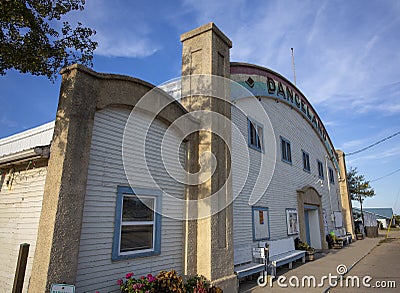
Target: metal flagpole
294, 69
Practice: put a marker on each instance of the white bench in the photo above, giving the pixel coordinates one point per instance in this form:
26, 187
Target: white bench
340, 233
249, 261
282, 252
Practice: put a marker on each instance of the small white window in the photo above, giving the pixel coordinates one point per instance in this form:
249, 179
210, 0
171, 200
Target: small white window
320, 169
137, 224
331, 176
306, 162
255, 137
286, 151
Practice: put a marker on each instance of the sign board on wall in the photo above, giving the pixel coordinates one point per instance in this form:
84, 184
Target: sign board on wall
260, 224
292, 221
62, 288
338, 219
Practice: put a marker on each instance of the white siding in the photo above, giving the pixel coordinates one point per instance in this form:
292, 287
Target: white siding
96, 270
287, 179
38, 136
20, 206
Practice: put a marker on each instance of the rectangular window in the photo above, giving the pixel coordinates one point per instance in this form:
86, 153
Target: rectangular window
260, 219
255, 136
331, 176
137, 229
306, 162
286, 151
320, 169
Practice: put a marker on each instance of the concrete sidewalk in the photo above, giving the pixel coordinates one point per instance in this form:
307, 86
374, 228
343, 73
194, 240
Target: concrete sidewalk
325, 266
381, 267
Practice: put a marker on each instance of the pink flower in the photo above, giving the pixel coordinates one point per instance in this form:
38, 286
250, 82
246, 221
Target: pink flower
128, 275
135, 286
142, 277
151, 278
119, 282
97, 292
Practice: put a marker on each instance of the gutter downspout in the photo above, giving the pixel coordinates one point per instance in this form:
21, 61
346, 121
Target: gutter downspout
329, 191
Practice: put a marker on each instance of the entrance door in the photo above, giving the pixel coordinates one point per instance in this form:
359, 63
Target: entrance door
307, 222
313, 232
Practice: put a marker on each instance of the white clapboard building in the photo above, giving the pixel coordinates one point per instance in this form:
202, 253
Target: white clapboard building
106, 188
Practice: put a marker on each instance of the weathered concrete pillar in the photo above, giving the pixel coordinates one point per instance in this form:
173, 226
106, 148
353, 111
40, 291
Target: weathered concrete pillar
56, 255
206, 52
347, 212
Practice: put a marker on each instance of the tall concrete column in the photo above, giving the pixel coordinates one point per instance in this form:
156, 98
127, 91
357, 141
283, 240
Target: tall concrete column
206, 52
347, 212
56, 255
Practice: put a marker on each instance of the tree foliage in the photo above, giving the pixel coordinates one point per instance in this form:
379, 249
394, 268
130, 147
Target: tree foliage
359, 188
33, 39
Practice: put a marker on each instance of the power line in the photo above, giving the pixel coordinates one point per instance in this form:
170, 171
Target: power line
374, 144
384, 176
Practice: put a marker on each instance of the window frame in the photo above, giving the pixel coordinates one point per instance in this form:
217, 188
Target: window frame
260, 208
307, 155
251, 121
331, 175
320, 171
287, 143
123, 191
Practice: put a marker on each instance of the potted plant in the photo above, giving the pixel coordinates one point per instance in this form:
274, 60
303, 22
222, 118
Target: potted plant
310, 251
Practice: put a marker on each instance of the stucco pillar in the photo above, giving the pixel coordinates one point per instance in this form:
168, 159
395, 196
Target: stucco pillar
347, 209
206, 52
56, 255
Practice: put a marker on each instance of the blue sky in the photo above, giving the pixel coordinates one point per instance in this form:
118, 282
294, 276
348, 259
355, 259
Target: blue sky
346, 54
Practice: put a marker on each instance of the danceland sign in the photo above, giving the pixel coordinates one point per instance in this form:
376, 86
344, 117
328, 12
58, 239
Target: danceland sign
262, 82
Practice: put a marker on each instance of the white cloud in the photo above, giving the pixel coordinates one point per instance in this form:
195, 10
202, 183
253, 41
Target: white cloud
316, 23
337, 56
383, 99
382, 155
8, 123
353, 143
121, 29
123, 46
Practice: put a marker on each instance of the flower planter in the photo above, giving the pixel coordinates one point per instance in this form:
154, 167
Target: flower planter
310, 256
338, 244
359, 236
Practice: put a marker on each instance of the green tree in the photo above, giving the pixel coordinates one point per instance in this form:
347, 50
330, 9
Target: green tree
33, 39
359, 188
